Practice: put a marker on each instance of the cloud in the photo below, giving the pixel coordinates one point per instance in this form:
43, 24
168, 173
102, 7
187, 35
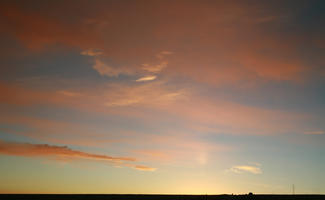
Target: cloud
212, 52
139, 167
246, 168
170, 147
152, 94
314, 132
146, 78
91, 52
154, 154
155, 68
62, 153
105, 70
162, 54
69, 93
213, 114
221, 115
273, 67
144, 168
45, 150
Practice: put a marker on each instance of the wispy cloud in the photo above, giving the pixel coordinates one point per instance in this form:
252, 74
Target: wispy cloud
39, 150
231, 117
314, 132
106, 70
150, 94
144, 168
69, 93
162, 54
91, 52
155, 68
146, 78
62, 153
246, 168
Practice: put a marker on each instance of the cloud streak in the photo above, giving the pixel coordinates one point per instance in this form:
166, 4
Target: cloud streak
146, 78
106, 70
91, 52
155, 68
142, 168
62, 153
153, 94
41, 150
314, 132
246, 168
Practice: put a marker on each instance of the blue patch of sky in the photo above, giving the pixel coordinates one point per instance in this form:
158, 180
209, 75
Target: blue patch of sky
267, 149
54, 62
7, 135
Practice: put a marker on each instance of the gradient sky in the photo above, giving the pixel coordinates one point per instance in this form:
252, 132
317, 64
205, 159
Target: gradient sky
162, 96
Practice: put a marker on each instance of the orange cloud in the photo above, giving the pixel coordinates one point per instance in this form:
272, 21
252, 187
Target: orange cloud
144, 168
180, 145
62, 153
45, 150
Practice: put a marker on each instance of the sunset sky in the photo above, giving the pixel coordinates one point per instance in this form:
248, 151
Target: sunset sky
162, 96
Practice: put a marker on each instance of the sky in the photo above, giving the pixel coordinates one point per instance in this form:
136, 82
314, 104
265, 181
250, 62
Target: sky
162, 97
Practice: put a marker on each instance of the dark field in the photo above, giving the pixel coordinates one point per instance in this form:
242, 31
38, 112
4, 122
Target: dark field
158, 197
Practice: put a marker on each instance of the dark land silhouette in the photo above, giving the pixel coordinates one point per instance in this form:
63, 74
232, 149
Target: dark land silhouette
156, 197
